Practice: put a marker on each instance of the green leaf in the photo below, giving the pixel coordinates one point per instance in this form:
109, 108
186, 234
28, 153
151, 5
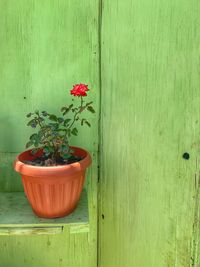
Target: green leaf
74, 131
47, 150
60, 120
44, 113
34, 151
89, 104
64, 148
88, 124
66, 121
54, 126
74, 109
53, 117
82, 121
36, 143
55, 133
65, 110
33, 123
34, 137
71, 151
90, 108
30, 143
41, 133
40, 119
28, 115
66, 155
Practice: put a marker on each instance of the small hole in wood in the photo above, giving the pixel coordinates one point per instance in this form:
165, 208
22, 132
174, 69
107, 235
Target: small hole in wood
186, 155
102, 216
24, 97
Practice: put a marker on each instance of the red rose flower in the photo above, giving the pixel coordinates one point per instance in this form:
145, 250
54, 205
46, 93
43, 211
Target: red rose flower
79, 90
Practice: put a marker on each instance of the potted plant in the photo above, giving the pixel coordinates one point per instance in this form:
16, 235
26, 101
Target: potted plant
52, 171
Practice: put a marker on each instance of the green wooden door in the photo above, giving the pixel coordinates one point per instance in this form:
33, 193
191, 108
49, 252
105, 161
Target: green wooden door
150, 118
45, 48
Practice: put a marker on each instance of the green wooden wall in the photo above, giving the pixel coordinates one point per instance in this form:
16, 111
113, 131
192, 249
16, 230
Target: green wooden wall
150, 74
45, 48
148, 194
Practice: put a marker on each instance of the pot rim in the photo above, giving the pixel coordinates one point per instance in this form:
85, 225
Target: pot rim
60, 170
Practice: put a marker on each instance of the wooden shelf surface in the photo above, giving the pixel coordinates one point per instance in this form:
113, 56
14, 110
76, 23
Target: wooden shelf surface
17, 217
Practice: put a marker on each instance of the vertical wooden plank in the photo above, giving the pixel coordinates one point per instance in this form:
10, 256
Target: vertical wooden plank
45, 48
150, 118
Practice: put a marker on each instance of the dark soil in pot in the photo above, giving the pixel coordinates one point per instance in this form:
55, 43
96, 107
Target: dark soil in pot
45, 161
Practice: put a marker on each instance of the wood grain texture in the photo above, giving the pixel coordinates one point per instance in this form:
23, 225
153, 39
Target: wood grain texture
149, 212
45, 48
52, 230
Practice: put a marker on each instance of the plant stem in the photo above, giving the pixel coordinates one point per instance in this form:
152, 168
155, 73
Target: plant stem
41, 126
79, 111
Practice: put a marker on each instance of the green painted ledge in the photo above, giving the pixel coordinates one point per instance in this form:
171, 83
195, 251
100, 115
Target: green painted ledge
17, 217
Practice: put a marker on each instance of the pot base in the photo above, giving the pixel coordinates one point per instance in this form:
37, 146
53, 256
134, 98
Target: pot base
44, 216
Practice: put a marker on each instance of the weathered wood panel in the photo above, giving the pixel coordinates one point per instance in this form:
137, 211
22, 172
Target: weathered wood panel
150, 117
59, 250
45, 48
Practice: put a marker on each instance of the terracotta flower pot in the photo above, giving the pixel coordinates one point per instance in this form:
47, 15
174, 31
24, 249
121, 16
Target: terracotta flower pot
53, 191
